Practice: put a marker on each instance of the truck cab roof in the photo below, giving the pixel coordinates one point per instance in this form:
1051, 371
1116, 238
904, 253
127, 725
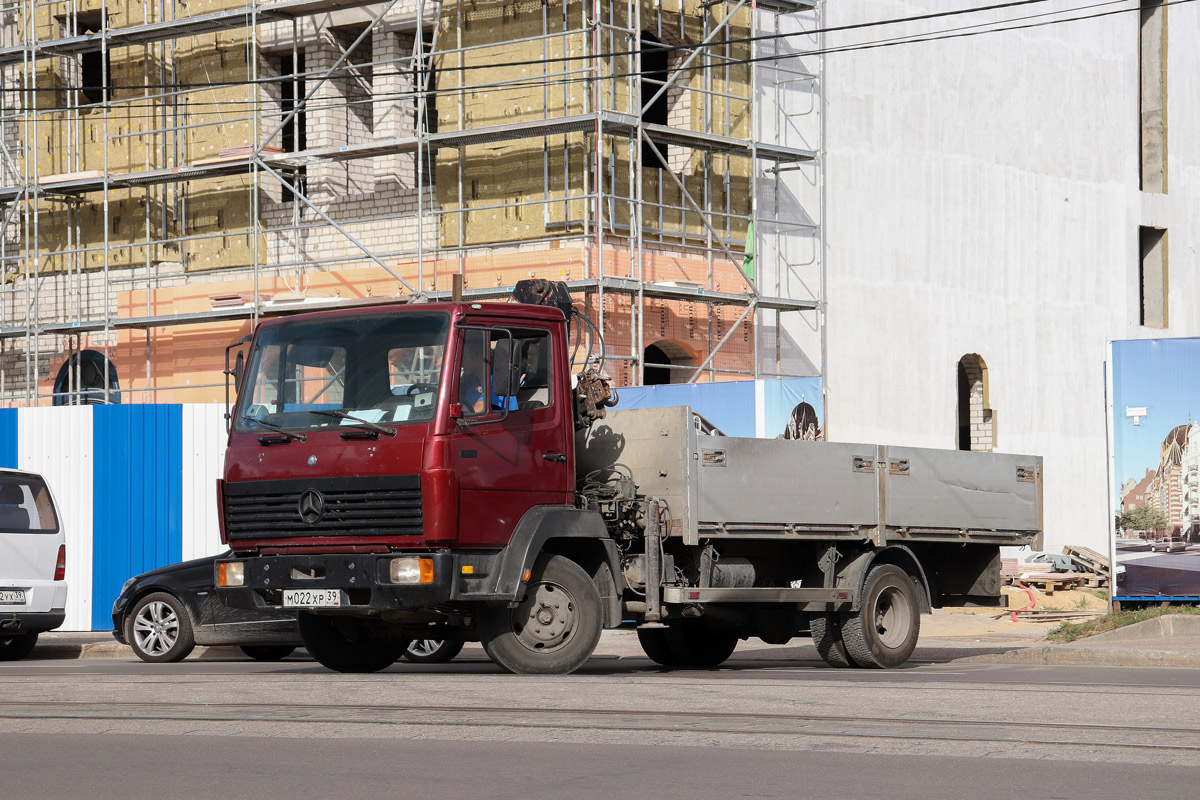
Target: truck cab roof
456, 310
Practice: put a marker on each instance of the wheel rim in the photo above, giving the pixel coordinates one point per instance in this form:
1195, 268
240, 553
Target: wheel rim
546, 618
892, 622
156, 628
424, 647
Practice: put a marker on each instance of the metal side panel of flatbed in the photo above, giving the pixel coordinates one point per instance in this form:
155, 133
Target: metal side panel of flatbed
720, 486
785, 487
933, 493
655, 446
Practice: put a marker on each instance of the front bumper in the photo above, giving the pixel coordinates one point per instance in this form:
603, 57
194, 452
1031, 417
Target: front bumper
363, 578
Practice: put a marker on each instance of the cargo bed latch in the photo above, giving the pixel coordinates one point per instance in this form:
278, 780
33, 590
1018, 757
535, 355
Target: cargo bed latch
864, 464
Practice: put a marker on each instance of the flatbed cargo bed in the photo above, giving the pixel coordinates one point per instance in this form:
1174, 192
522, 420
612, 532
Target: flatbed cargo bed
728, 487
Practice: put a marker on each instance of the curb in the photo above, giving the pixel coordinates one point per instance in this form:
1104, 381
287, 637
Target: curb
1088, 657
70, 651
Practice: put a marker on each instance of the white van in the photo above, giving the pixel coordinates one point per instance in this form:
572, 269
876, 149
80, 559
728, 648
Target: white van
33, 562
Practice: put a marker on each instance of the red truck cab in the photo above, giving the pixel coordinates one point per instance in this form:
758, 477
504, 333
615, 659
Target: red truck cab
396, 466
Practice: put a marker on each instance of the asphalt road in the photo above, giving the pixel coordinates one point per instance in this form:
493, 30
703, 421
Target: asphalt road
763, 726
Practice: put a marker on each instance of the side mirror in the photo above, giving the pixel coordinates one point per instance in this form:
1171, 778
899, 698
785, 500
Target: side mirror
235, 373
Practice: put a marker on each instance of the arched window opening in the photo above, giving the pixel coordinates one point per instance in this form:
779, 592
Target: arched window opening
976, 420
654, 76
80, 381
658, 360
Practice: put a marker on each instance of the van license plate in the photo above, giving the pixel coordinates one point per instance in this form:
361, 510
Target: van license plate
12, 596
312, 598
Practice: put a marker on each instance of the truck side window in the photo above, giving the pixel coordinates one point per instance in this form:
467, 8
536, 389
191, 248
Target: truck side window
534, 389
473, 381
532, 355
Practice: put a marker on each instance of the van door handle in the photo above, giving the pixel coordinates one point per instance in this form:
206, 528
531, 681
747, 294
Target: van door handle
559, 457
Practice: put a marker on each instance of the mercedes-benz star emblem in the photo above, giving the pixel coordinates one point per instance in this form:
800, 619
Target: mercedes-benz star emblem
312, 507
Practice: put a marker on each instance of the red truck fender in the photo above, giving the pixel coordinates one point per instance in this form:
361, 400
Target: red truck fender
578, 534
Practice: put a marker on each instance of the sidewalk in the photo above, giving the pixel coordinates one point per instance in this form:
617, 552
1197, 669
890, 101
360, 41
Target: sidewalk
1167, 641
947, 636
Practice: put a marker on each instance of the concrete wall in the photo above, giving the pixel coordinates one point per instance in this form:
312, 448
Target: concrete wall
983, 198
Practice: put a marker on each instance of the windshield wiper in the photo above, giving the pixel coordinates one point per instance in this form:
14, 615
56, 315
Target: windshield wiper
333, 412
271, 426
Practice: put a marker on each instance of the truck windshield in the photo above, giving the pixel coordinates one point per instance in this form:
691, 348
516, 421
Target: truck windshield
384, 368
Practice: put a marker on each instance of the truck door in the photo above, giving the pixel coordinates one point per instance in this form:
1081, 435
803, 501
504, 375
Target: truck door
509, 448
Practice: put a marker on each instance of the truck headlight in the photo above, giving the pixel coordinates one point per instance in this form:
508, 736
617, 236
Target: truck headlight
410, 569
231, 573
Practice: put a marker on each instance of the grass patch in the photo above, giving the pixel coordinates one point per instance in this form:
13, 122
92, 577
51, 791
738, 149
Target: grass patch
1070, 631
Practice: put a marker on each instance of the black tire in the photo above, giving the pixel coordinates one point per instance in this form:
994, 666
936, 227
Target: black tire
267, 652
655, 646
883, 633
554, 630
432, 651
15, 646
826, 629
349, 644
159, 629
700, 643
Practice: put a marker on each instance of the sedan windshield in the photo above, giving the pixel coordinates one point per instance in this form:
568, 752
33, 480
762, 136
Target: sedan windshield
382, 368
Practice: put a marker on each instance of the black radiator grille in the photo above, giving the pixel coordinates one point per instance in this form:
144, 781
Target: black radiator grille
376, 506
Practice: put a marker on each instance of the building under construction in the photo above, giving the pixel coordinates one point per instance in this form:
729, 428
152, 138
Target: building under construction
172, 170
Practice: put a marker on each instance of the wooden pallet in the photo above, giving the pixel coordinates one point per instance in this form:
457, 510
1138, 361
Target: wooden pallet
1050, 582
1088, 557
1009, 569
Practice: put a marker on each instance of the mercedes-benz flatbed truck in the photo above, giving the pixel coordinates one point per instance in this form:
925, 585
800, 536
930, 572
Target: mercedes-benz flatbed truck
433, 470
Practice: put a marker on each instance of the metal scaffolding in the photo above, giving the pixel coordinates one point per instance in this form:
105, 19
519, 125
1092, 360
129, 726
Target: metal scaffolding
687, 134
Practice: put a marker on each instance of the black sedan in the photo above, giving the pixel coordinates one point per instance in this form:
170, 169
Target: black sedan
163, 614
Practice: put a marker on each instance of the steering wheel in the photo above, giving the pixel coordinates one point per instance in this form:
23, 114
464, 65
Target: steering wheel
421, 388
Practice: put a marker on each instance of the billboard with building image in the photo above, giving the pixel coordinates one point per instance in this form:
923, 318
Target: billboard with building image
1155, 407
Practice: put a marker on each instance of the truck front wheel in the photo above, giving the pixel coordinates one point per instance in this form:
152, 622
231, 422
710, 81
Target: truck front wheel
883, 633
553, 630
349, 644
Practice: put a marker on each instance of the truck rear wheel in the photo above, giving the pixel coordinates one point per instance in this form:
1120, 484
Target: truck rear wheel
349, 644
554, 630
688, 643
883, 633
826, 629
700, 643
656, 647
